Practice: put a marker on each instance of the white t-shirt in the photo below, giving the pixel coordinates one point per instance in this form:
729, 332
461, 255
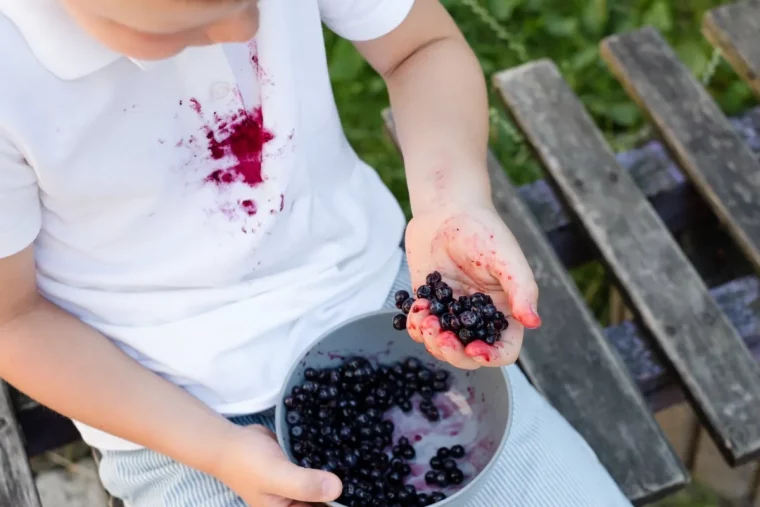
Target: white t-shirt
205, 212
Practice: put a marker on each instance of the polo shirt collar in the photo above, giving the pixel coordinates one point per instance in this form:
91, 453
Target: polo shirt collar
57, 41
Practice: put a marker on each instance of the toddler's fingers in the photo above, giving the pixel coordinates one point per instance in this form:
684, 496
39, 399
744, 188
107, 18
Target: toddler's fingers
453, 351
522, 295
504, 353
431, 328
418, 313
275, 475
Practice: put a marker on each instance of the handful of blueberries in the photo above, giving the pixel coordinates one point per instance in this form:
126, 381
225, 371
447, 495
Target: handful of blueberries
336, 423
471, 318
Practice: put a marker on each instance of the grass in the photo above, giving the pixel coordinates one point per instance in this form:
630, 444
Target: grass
506, 33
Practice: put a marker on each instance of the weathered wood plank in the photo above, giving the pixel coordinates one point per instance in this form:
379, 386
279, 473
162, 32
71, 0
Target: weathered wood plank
738, 299
735, 30
672, 302
570, 361
711, 153
17, 486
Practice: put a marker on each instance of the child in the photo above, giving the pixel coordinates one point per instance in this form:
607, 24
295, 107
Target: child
174, 177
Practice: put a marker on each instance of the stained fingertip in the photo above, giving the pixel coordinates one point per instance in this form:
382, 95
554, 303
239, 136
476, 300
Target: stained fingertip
430, 326
481, 352
449, 340
528, 317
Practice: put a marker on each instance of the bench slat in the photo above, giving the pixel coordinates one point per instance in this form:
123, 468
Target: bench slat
671, 300
708, 148
573, 365
735, 30
17, 486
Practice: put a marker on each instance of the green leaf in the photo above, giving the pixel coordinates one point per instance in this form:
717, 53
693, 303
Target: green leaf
595, 16
345, 62
659, 16
503, 9
584, 58
623, 113
561, 27
693, 55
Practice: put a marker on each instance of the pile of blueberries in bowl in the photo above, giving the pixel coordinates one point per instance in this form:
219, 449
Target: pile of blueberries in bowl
398, 427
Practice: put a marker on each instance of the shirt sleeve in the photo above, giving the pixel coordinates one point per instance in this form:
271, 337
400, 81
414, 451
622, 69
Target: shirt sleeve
20, 210
362, 20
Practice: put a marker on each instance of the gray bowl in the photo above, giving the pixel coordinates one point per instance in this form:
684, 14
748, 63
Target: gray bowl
476, 412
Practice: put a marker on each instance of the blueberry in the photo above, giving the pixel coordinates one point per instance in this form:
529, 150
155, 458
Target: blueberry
455, 308
430, 477
442, 479
439, 386
424, 292
397, 451
423, 499
465, 336
450, 322
399, 322
400, 297
388, 426
289, 402
465, 302
310, 374
489, 312
480, 299
449, 464
406, 306
296, 431
490, 339
444, 294
403, 441
457, 451
437, 308
412, 364
480, 334
406, 470
407, 452
433, 278
426, 392
469, 319
437, 496
455, 476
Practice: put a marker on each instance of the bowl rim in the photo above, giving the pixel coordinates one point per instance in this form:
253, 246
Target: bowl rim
279, 420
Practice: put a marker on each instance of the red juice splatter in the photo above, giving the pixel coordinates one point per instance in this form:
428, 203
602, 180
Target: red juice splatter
196, 106
248, 206
238, 140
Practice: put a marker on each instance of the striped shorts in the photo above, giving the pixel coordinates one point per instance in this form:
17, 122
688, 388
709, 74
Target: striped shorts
545, 462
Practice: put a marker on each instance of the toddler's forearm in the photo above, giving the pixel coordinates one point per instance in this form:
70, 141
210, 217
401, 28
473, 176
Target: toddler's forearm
73, 369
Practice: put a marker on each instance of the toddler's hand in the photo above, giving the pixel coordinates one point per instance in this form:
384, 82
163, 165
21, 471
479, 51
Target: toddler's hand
256, 468
474, 252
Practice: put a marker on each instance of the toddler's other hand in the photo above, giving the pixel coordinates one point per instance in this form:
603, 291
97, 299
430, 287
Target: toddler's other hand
255, 467
475, 252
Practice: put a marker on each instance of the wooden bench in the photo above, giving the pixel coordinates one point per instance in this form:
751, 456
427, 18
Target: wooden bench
677, 224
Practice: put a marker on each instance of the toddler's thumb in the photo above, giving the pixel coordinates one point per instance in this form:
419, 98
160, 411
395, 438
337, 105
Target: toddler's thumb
303, 484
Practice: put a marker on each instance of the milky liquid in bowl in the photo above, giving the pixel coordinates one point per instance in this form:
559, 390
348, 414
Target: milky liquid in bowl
475, 412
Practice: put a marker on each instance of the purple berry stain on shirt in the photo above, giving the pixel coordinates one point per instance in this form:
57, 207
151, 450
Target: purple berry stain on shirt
235, 143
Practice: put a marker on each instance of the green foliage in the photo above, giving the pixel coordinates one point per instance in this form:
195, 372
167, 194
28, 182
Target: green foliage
507, 33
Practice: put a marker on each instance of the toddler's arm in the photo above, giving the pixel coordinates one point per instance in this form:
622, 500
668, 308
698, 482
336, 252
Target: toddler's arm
71, 368
440, 105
